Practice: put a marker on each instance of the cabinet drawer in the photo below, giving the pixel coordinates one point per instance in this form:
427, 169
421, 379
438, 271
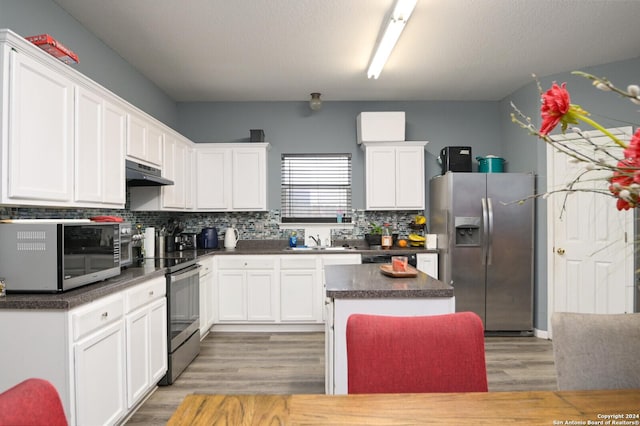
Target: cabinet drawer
298, 262
145, 293
97, 314
246, 262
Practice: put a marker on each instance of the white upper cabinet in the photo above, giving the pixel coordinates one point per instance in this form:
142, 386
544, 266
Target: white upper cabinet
37, 136
115, 138
175, 168
65, 135
213, 177
231, 177
394, 175
144, 139
100, 132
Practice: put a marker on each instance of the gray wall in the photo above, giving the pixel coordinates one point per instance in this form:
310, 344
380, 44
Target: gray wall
97, 61
292, 127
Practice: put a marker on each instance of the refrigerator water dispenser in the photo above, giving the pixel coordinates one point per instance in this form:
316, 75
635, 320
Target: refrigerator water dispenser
467, 231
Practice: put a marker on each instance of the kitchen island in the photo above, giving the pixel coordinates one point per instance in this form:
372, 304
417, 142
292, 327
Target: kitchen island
363, 289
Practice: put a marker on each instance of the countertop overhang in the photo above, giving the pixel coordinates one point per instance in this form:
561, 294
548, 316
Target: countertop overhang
134, 275
367, 282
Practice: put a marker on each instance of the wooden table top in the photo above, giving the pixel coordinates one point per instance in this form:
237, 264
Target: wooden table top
490, 408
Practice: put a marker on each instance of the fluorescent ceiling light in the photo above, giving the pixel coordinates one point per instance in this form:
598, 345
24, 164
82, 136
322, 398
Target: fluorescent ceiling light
401, 13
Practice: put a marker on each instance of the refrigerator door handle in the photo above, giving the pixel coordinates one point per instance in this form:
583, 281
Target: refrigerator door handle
490, 233
485, 230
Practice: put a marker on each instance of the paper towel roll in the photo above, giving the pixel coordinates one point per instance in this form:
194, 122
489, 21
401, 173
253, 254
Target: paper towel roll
149, 242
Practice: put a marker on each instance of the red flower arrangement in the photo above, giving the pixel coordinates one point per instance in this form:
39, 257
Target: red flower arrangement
556, 108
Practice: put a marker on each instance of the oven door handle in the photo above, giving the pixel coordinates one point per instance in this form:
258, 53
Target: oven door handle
186, 273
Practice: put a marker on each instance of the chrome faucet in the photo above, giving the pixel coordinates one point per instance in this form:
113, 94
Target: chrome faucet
316, 239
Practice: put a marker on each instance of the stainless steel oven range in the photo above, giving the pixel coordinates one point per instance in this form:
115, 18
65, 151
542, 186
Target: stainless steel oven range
183, 317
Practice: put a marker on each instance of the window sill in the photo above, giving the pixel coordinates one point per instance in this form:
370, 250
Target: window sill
298, 225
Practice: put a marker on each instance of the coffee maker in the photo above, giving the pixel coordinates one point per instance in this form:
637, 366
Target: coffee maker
137, 246
187, 241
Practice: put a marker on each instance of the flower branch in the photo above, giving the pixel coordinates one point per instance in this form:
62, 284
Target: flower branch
621, 164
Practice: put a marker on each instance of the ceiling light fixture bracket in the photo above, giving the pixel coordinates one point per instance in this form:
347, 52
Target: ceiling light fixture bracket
399, 17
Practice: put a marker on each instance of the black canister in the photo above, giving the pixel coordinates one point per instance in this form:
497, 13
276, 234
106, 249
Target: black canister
170, 243
209, 238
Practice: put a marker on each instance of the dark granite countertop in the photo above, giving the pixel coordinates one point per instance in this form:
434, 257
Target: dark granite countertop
282, 247
79, 296
135, 275
367, 282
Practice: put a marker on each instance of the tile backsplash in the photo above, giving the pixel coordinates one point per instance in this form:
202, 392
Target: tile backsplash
262, 225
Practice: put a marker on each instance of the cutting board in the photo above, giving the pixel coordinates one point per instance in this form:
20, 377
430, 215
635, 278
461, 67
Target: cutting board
387, 269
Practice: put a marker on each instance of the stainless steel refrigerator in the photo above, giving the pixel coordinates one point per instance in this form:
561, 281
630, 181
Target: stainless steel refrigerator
486, 239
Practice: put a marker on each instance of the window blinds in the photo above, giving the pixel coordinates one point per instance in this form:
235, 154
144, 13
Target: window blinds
315, 187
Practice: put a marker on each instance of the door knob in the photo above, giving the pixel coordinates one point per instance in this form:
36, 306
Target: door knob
560, 251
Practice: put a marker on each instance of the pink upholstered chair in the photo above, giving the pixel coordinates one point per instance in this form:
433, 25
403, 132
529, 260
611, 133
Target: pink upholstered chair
33, 402
441, 353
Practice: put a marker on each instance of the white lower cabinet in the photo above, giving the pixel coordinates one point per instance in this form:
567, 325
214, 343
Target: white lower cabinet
146, 324
428, 263
99, 370
103, 357
283, 289
207, 300
99, 361
247, 289
300, 289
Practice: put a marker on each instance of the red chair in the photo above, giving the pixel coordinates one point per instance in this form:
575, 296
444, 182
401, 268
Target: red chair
440, 353
33, 402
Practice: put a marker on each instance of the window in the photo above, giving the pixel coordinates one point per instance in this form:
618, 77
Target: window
316, 187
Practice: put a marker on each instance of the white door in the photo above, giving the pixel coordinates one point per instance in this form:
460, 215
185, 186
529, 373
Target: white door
590, 242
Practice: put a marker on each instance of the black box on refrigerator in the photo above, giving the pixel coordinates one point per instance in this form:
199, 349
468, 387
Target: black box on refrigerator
455, 159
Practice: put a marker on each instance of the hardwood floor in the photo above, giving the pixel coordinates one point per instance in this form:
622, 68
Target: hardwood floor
294, 363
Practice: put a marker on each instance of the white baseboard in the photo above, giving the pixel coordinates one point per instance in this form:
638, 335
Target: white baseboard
267, 328
542, 334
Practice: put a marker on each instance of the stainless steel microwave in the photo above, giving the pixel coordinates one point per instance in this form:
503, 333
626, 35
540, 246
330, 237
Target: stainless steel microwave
50, 257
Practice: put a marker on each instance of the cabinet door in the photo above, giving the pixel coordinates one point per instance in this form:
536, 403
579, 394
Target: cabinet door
299, 299
138, 355
249, 179
409, 168
380, 177
428, 263
190, 178
155, 141
100, 376
40, 145
158, 356
99, 150
232, 296
213, 179
169, 193
207, 294
115, 137
88, 146
206, 302
262, 302
136, 137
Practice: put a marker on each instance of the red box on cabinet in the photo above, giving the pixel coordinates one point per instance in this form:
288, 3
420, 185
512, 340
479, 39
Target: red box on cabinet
54, 48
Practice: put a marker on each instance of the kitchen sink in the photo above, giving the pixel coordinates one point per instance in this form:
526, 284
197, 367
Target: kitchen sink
318, 248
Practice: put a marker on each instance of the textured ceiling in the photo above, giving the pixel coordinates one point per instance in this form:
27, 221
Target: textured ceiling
271, 50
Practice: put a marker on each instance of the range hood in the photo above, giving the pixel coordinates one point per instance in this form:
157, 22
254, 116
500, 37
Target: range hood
141, 175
